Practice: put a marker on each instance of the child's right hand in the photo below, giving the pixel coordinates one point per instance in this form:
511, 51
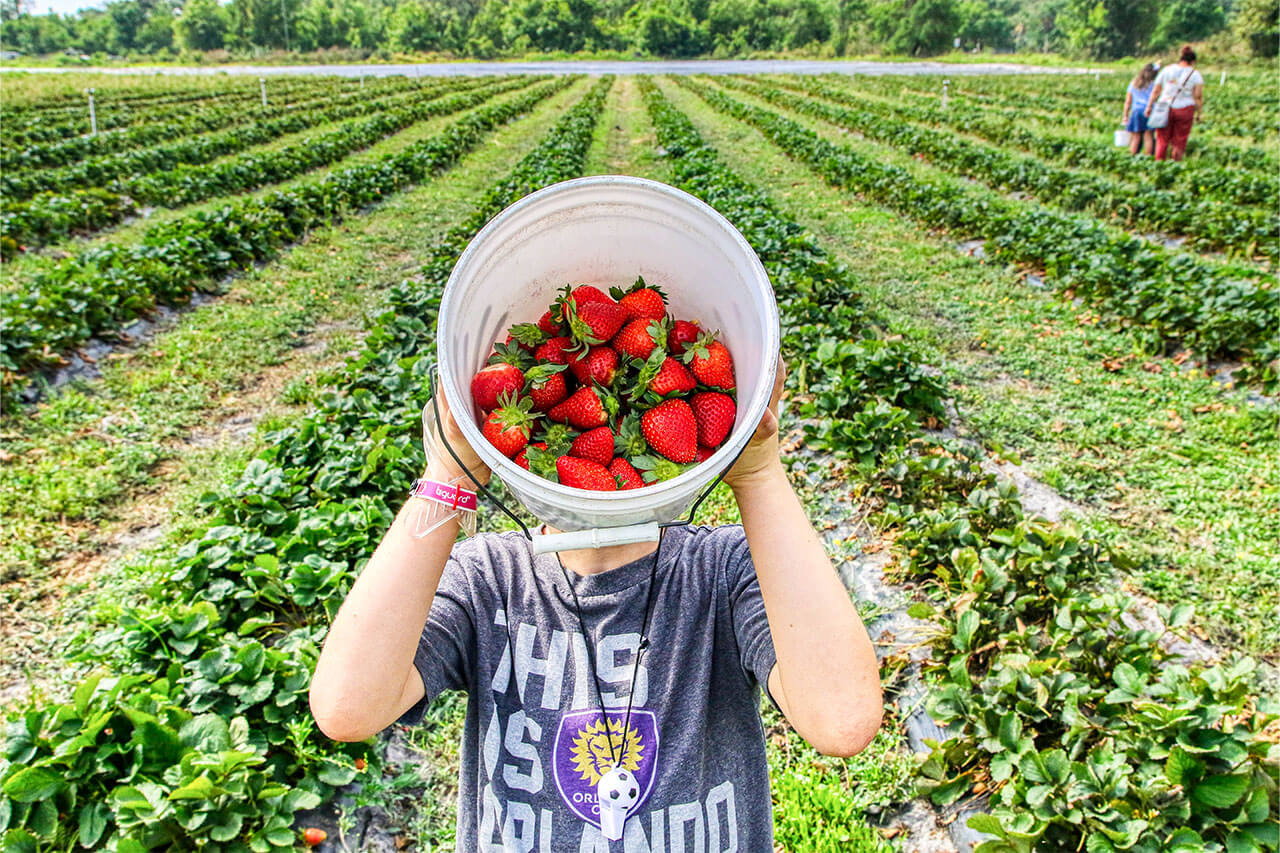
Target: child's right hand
440, 464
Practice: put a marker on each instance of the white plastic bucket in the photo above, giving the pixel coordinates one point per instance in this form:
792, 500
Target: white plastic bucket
605, 231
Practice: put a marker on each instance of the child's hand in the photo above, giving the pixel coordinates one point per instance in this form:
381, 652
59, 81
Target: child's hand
761, 453
440, 464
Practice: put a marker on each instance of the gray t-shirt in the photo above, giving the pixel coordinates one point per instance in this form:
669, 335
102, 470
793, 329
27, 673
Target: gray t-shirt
534, 743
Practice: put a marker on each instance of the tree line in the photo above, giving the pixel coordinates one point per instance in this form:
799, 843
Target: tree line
1103, 29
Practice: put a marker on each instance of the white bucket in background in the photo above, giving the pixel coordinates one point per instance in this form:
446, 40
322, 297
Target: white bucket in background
605, 231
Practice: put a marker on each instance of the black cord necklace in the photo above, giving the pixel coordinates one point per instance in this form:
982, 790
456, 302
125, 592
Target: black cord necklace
616, 755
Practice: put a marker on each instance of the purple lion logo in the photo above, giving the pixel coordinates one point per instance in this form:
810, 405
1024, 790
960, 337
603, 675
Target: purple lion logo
584, 751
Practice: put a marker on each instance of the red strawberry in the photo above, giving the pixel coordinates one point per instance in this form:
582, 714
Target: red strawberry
585, 474
550, 324
522, 458
681, 335
594, 444
715, 413
492, 382
671, 430
704, 453
642, 301
598, 364
639, 337
311, 836
592, 322
596, 322
556, 351
584, 409
672, 377
546, 385
508, 427
711, 363
584, 293
626, 474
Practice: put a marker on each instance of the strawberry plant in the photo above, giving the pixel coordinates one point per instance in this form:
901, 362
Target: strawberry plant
17, 184
102, 288
1214, 225
1196, 179
1218, 309
201, 738
1077, 721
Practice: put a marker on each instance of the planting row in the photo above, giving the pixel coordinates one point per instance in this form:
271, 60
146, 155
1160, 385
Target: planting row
211, 742
1208, 149
1194, 178
1244, 110
53, 216
16, 185
46, 129
1242, 231
1090, 734
102, 288
67, 151
1168, 296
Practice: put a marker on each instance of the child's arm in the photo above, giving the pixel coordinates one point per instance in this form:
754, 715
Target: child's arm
826, 680
365, 678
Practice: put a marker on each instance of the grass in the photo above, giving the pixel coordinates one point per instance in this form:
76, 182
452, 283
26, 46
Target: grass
88, 448
1170, 466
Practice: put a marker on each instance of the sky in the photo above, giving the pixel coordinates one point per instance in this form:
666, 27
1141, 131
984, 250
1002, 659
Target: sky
62, 7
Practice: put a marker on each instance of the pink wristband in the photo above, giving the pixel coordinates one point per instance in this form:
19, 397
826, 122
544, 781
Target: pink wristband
443, 493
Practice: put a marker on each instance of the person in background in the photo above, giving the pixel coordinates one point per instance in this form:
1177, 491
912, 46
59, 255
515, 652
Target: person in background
1185, 87
1136, 98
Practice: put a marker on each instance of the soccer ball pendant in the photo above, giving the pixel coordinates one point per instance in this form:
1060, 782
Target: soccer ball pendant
617, 792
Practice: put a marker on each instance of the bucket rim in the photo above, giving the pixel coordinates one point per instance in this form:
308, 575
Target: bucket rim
656, 493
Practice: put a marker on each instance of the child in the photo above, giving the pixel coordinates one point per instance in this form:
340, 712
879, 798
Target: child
613, 693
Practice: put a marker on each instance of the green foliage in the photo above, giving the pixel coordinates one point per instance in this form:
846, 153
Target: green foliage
1108, 29
202, 739
103, 288
1187, 20
1257, 24
203, 25
1216, 308
1090, 731
1243, 231
915, 27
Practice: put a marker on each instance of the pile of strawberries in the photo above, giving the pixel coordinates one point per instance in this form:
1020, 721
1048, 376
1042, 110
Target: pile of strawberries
607, 392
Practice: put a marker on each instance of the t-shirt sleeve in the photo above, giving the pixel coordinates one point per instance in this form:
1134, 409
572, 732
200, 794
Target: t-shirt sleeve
746, 605
446, 652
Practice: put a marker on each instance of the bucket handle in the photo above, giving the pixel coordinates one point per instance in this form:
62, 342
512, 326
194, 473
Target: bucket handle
646, 532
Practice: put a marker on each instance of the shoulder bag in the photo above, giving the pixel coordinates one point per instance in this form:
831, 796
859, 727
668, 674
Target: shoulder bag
1159, 116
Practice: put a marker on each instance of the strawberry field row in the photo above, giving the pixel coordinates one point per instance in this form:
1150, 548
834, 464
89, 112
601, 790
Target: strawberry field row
1195, 179
1243, 115
1203, 149
1243, 231
134, 97
193, 121
42, 129
1083, 731
102, 288
53, 216
205, 741
1171, 296
201, 148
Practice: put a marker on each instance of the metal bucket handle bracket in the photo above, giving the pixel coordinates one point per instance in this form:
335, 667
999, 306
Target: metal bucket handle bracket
599, 537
